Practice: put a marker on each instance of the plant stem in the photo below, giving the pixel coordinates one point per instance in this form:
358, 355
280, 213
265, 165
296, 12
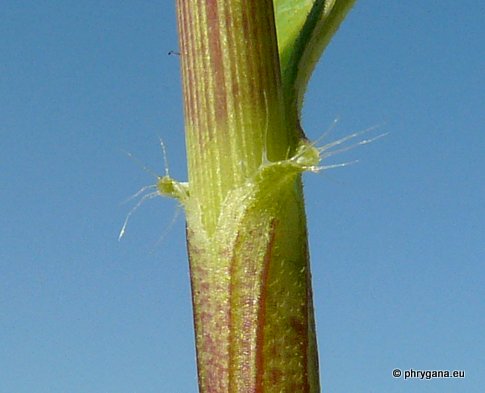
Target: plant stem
246, 226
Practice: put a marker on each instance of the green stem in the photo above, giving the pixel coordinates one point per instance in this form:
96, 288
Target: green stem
246, 226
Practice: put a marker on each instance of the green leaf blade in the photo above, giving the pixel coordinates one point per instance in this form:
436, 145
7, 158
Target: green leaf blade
304, 29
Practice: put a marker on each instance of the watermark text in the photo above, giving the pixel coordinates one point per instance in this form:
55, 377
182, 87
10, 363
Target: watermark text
427, 374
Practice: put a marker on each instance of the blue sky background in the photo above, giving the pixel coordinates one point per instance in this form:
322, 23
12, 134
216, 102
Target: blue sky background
397, 240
